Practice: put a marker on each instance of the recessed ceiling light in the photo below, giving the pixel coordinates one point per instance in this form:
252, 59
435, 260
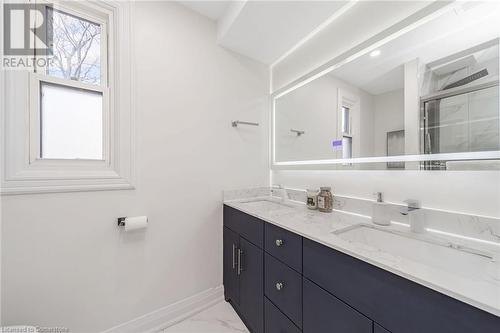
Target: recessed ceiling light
375, 53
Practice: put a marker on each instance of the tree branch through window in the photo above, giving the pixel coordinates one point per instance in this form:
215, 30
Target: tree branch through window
76, 46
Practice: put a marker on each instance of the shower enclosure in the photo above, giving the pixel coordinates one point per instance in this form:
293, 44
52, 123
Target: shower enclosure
464, 115
465, 122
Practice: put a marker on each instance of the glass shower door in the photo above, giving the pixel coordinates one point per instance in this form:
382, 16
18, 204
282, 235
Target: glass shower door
463, 123
484, 120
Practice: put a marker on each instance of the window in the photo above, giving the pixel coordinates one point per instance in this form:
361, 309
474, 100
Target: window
72, 88
70, 122
346, 133
346, 147
76, 47
347, 124
69, 125
346, 120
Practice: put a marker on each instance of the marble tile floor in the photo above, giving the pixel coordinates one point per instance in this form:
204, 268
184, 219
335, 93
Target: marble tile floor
219, 318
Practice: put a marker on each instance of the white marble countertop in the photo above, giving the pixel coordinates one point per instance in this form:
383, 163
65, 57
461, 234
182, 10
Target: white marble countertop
477, 287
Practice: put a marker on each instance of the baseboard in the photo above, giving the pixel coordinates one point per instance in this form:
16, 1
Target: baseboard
170, 314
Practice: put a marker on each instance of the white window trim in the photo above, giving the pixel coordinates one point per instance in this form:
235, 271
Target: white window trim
22, 171
349, 100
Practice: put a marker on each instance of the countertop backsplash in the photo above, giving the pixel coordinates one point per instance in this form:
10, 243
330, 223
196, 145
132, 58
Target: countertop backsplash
453, 224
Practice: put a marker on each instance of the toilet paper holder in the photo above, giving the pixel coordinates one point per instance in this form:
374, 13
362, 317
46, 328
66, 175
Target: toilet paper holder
121, 221
130, 223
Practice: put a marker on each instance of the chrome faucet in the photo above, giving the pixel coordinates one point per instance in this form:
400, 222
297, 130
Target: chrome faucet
416, 216
281, 190
411, 205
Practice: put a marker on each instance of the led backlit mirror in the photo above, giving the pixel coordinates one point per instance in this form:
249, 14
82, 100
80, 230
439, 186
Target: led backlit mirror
426, 99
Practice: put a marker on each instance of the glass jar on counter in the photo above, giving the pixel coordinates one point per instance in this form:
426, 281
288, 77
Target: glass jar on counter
325, 199
312, 199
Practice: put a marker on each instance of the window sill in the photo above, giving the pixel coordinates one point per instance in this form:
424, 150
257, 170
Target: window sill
52, 188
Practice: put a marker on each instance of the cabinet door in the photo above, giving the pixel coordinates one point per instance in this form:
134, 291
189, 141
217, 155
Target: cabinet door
324, 313
230, 276
252, 285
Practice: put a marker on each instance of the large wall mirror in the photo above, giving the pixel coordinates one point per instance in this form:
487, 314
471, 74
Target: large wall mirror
426, 97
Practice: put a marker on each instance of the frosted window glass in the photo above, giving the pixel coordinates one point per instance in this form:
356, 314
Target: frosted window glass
346, 147
346, 120
71, 123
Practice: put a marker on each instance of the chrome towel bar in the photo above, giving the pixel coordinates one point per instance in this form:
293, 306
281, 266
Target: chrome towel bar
298, 132
235, 123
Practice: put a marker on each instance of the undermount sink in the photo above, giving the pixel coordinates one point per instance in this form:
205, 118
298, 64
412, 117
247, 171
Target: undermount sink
443, 255
267, 204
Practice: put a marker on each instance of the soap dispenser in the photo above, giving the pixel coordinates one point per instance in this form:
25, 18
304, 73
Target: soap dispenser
380, 211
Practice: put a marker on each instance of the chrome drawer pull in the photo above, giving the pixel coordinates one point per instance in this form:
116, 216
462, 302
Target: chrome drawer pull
279, 242
234, 256
279, 285
240, 268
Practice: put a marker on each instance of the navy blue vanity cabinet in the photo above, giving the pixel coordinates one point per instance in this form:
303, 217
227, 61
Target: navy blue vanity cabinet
276, 321
243, 267
398, 304
324, 313
280, 282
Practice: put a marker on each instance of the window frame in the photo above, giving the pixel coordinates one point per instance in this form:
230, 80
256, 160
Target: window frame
88, 12
36, 81
23, 169
350, 101
37, 78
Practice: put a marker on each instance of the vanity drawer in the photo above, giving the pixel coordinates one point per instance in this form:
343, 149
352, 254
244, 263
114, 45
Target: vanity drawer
284, 245
398, 304
276, 321
249, 227
326, 313
283, 286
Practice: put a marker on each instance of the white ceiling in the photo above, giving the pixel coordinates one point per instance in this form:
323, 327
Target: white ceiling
211, 9
264, 30
449, 33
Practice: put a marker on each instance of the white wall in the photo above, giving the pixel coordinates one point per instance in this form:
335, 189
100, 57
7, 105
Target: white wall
311, 108
412, 108
314, 109
388, 116
472, 192
64, 261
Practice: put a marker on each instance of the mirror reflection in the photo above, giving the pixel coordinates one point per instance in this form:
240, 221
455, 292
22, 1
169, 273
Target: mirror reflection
432, 90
